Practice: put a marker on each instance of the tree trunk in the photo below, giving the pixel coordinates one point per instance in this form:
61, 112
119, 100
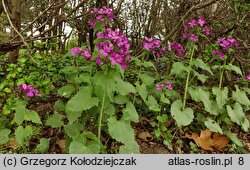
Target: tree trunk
16, 20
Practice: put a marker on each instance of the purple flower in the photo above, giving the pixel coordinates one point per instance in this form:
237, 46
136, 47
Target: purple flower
169, 85
160, 86
248, 77
101, 14
178, 48
207, 30
192, 23
87, 54
226, 43
201, 22
218, 53
193, 37
29, 90
76, 50
98, 60
151, 43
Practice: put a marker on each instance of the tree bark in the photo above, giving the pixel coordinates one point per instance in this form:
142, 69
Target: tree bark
16, 19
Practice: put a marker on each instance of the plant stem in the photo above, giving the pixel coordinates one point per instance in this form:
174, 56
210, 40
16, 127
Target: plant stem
137, 81
222, 72
100, 117
187, 81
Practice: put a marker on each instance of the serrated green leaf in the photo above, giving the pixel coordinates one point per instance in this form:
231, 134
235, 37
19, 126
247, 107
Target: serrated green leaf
84, 77
124, 88
146, 79
178, 68
234, 68
55, 121
79, 148
221, 96
4, 136
241, 97
213, 126
142, 90
59, 106
121, 131
66, 91
43, 146
73, 130
98, 27
234, 138
20, 110
152, 104
109, 109
130, 113
80, 102
182, 117
119, 99
200, 77
200, 64
238, 116
200, 95
164, 99
132, 148
33, 117
22, 134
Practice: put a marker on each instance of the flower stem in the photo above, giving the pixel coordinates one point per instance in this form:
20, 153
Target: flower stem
222, 72
100, 117
187, 81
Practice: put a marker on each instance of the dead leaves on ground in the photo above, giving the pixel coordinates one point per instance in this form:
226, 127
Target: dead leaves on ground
209, 141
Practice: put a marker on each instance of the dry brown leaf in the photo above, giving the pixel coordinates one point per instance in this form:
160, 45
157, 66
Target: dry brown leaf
62, 144
145, 136
209, 141
13, 143
220, 142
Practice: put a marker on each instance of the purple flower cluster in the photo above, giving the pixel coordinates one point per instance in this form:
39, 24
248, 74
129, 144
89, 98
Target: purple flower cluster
166, 85
101, 14
115, 45
85, 53
154, 45
178, 48
200, 23
29, 90
225, 44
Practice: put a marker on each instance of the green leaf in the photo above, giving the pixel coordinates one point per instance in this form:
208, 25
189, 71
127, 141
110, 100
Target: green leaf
98, 27
200, 95
121, 131
4, 136
130, 113
22, 134
153, 104
233, 68
182, 117
234, 138
146, 79
238, 116
124, 88
84, 78
80, 102
73, 130
132, 148
241, 97
200, 64
43, 146
213, 126
109, 109
221, 96
119, 99
59, 106
79, 148
66, 91
200, 77
142, 90
178, 68
20, 110
164, 99
33, 117
148, 64
55, 121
